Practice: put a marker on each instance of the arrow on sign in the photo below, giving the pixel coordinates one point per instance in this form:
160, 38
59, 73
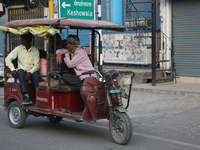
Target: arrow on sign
65, 5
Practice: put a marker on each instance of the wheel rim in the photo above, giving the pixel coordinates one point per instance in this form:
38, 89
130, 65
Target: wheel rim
119, 132
15, 115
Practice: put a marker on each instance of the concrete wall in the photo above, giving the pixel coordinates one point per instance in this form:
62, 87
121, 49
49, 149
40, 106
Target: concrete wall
3, 19
166, 26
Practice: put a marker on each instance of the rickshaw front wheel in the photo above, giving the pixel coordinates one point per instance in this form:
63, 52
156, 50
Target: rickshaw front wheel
123, 133
55, 119
16, 115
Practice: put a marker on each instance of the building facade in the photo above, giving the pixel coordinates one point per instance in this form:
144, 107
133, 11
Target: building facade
180, 21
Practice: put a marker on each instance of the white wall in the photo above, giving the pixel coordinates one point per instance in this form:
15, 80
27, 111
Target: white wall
166, 23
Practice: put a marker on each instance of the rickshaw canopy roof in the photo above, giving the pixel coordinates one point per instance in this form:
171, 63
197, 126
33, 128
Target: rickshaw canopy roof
37, 30
60, 23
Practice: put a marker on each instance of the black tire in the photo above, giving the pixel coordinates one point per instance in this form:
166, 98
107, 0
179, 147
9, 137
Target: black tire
16, 115
124, 130
55, 119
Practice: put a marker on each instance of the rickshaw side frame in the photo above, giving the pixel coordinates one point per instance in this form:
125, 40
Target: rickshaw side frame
49, 73
48, 59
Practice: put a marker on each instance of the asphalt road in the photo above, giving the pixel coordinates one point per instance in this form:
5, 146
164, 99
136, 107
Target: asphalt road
160, 122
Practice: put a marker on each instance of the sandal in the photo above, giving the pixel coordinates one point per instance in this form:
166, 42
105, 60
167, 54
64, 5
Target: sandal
124, 95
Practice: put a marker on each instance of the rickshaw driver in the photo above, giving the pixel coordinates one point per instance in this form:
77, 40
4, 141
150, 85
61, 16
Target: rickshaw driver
28, 65
79, 61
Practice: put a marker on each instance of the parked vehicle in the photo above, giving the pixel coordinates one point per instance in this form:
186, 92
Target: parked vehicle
96, 99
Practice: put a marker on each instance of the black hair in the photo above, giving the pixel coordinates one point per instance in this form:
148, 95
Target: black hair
28, 36
43, 54
58, 38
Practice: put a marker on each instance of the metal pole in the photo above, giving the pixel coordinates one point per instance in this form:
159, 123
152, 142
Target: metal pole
153, 42
92, 52
90, 42
58, 3
5, 54
51, 9
99, 9
100, 40
48, 61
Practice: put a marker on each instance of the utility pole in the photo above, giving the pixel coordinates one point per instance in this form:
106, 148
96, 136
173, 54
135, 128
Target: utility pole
153, 42
51, 9
100, 40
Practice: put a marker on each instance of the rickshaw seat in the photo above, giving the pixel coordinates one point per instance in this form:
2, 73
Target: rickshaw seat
68, 89
64, 88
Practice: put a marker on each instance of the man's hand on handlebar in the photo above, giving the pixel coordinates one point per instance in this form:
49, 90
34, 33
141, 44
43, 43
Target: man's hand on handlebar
58, 59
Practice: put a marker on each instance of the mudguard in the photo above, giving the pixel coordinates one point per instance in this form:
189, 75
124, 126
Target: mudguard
120, 109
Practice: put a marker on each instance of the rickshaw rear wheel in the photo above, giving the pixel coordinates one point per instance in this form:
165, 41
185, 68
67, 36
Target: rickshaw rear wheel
16, 115
123, 133
55, 119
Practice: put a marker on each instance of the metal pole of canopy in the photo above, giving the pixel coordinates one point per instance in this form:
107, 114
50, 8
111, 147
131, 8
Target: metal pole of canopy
48, 60
54, 54
5, 54
92, 45
100, 52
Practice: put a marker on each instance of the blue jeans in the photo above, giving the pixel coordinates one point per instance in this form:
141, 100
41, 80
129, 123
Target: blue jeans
21, 75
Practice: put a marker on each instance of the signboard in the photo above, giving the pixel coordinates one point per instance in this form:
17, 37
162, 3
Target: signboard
77, 9
125, 48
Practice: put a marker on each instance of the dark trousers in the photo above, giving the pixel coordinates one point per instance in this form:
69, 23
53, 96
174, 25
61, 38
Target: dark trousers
72, 80
21, 75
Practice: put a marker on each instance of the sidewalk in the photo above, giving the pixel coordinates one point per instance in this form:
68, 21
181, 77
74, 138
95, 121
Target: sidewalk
180, 88
184, 88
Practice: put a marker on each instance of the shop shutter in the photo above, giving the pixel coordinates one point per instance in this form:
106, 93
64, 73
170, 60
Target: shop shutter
186, 36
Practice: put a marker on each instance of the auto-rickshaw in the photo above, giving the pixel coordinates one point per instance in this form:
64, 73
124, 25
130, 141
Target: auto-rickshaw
96, 99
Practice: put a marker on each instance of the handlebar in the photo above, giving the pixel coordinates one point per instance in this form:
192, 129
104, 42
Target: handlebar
108, 74
88, 72
92, 72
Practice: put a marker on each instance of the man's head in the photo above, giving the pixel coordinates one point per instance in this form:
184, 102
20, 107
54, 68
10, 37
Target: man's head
58, 39
72, 42
43, 54
73, 39
26, 38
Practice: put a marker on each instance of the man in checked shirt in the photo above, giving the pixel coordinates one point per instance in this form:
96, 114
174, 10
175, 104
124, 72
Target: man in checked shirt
79, 61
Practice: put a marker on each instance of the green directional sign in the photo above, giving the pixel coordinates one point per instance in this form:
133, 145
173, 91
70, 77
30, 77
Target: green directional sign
77, 9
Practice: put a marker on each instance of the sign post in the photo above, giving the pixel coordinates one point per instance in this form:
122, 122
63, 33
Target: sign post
77, 9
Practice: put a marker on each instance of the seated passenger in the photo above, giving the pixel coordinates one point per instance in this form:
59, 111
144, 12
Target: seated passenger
43, 64
79, 61
58, 43
28, 65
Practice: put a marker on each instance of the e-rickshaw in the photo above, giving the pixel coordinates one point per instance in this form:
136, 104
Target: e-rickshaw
96, 99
